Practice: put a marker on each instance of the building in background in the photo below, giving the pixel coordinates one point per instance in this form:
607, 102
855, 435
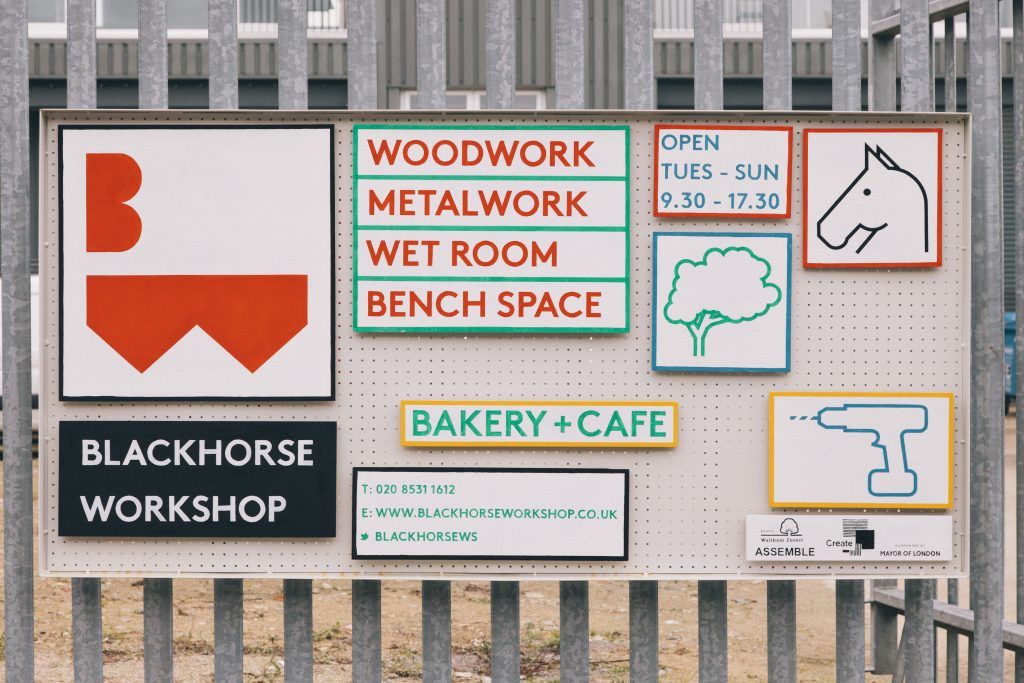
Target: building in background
117, 59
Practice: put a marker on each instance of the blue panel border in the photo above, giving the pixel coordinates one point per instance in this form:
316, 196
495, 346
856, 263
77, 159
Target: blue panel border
730, 370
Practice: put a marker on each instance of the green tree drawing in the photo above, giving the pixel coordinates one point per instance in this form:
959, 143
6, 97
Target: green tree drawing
727, 285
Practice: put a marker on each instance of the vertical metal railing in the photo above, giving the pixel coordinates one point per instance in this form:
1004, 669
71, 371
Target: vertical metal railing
986, 487
780, 606
1018, 177
846, 96
19, 661
86, 610
916, 83
158, 594
500, 81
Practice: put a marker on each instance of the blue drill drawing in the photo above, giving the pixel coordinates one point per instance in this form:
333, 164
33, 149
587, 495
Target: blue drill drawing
890, 423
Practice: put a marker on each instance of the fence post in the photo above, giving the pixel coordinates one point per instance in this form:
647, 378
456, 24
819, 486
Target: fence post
638, 54
569, 91
431, 58
780, 606
362, 94
223, 49
362, 54
643, 631
1018, 177
365, 630
158, 630
505, 666
708, 93
846, 96
437, 631
157, 593
916, 80
227, 630
986, 487
228, 594
86, 611
574, 631
501, 54
882, 97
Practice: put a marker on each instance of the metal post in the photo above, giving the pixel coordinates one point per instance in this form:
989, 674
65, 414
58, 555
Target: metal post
708, 93
916, 96
778, 55
87, 630
86, 612
365, 630
914, 56
986, 482
501, 54
882, 64
778, 95
846, 96
292, 66
569, 92
708, 86
845, 55
158, 630
713, 631
1018, 178
152, 54
952, 640
362, 54
437, 632
884, 633
882, 97
574, 639
81, 82
298, 631
431, 60
505, 632
949, 78
227, 630
781, 623
638, 54
643, 631
919, 632
223, 46
849, 631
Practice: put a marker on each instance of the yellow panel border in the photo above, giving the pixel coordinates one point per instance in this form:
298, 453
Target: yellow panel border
772, 503
673, 405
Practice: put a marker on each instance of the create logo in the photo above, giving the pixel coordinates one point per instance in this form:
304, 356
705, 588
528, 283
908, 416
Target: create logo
143, 316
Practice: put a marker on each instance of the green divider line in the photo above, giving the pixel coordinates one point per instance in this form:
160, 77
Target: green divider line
496, 228
454, 278
487, 177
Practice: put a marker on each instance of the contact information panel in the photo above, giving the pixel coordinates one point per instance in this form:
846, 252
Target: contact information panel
723, 171
450, 513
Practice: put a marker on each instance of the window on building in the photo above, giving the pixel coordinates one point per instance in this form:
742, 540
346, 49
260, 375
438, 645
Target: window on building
476, 99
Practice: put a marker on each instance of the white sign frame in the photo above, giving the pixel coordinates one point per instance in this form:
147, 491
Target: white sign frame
710, 482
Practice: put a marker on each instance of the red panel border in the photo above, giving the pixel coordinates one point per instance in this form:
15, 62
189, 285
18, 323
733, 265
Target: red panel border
938, 205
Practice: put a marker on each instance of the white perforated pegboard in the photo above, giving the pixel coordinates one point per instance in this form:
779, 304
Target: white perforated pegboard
866, 330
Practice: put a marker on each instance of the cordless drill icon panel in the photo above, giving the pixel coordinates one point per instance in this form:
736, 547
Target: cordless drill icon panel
890, 423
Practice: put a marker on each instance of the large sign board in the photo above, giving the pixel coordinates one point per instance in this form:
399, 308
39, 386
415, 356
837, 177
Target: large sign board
480, 345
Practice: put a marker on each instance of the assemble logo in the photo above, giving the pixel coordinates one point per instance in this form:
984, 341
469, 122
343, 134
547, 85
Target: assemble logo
196, 262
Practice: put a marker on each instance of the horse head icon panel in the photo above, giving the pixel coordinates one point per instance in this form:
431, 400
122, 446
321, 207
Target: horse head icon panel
872, 198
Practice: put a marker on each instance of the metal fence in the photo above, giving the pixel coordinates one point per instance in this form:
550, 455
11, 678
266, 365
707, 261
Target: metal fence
910, 657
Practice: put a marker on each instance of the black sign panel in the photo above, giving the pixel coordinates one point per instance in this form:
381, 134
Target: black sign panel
198, 479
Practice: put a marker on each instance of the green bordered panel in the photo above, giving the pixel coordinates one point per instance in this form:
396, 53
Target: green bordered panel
490, 228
